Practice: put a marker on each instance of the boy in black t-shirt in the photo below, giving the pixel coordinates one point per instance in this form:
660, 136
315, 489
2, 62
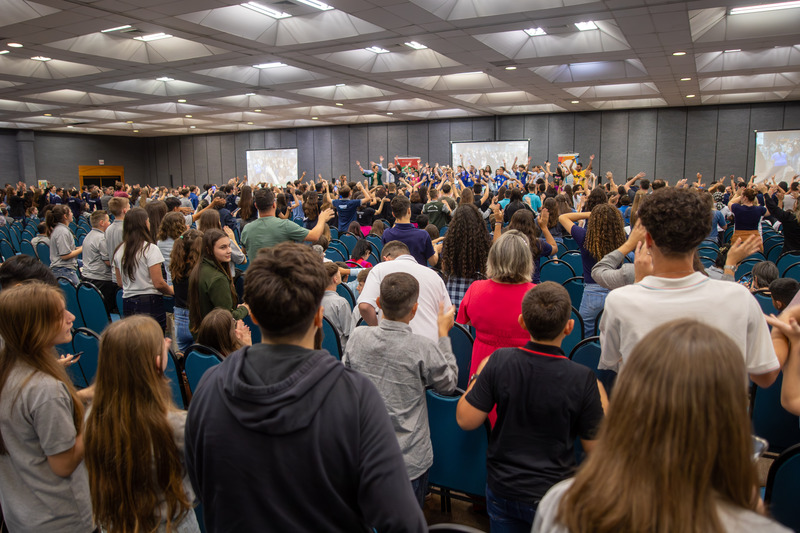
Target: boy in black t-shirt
544, 402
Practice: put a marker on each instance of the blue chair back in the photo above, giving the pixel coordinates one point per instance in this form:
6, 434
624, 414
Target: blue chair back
345, 292
453, 448
334, 254
774, 252
558, 271
71, 299
462, 342
783, 486
87, 341
339, 245
374, 259
375, 240
196, 361
766, 301
771, 421
93, 307
728, 234
26, 248
43, 251
710, 253
786, 259
587, 353
792, 271
75, 372
8, 251
574, 338
120, 303
574, 287
561, 248
15, 239
570, 243
330, 339
174, 376
349, 241
573, 258
334, 233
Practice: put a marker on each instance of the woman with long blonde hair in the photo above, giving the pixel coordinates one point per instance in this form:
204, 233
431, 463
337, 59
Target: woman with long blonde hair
134, 435
43, 483
674, 452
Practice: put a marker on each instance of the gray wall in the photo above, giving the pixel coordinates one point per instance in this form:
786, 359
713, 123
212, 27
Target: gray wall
668, 143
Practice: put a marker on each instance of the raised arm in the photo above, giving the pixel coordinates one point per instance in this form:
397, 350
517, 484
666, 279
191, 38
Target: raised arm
567, 220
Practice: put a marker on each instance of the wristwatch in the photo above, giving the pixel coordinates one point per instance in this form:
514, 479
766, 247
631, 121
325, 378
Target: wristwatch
472, 378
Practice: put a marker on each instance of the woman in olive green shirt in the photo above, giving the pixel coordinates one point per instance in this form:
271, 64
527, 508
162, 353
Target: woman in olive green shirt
210, 284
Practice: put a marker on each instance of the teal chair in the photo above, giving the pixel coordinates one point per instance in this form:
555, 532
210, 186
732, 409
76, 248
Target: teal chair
557, 271
345, 292
350, 241
771, 421
196, 361
459, 457
43, 252
26, 248
574, 287
576, 336
71, 299
587, 353
573, 259
74, 371
173, 374
783, 486
93, 307
87, 341
330, 339
462, 341
766, 304
7, 250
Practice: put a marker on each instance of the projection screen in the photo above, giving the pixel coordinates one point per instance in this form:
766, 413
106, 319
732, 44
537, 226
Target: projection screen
492, 153
777, 154
275, 167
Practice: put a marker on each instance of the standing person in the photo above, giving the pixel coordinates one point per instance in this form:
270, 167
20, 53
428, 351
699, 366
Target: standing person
544, 403
294, 424
138, 263
439, 212
524, 221
347, 209
63, 253
509, 268
211, 284
220, 331
683, 390
417, 240
96, 261
172, 227
118, 207
185, 255
746, 215
43, 483
132, 397
464, 251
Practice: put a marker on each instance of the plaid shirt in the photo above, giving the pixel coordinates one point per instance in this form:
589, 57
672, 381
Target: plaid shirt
457, 288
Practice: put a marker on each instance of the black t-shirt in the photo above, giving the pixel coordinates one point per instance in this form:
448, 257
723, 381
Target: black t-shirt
544, 402
181, 288
366, 216
416, 210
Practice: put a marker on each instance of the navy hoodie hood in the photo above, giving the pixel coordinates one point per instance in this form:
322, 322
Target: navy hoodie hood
285, 406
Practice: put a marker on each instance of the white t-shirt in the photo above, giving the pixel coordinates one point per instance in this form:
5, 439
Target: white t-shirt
734, 519
631, 312
432, 292
149, 256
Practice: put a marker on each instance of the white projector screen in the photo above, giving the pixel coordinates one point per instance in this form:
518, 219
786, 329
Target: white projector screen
491, 153
275, 167
777, 154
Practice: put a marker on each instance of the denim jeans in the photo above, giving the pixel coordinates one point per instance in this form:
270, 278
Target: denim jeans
69, 273
420, 487
509, 516
149, 304
594, 298
183, 337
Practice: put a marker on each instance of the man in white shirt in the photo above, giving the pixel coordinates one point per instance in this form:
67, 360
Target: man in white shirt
677, 220
432, 290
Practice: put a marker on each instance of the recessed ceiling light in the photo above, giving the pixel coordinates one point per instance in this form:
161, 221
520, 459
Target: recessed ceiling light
467, 73
41, 58
576, 101
257, 110
376, 50
533, 32
679, 53
511, 68
153, 37
415, 45
188, 116
3, 52
70, 126
48, 114
315, 4
191, 127
182, 101
118, 28
165, 78
340, 84
135, 131
15, 45
686, 79
314, 118
249, 94
690, 96
264, 10
733, 50
250, 123
586, 26
339, 104
390, 113
128, 122
274, 64
764, 7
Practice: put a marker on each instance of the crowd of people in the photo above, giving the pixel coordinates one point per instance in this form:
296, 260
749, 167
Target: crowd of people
281, 436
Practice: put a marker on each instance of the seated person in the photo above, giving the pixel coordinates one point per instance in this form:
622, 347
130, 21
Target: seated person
417, 363
763, 274
336, 309
544, 402
41, 235
21, 268
220, 331
783, 290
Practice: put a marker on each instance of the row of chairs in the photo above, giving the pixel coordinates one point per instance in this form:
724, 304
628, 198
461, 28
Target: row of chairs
87, 304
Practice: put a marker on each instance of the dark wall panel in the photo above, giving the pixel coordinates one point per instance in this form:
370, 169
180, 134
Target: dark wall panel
162, 161
439, 142
322, 153
561, 134
587, 138
418, 141
201, 160
272, 139
340, 149
241, 144
378, 142
614, 144
483, 129
305, 152
512, 128
732, 135
288, 139
461, 130
214, 155
174, 155
536, 129
187, 162
397, 135
227, 145
670, 144
791, 117
257, 141
359, 137
701, 141
9, 159
641, 142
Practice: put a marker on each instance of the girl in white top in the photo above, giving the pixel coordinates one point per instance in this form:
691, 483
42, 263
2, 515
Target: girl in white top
132, 397
43, 483
63, 252
674, 452
138, 264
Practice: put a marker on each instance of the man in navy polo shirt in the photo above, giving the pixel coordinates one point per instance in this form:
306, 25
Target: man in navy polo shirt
346, 208
418, 240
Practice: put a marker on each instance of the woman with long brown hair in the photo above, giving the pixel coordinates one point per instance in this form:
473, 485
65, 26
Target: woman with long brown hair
134, 435
638, 198
674, 452
247, 210
172, 227
464, 251
211, 284
209, 220
221, 332
43, 483
156, 211
185, 255
604, 233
